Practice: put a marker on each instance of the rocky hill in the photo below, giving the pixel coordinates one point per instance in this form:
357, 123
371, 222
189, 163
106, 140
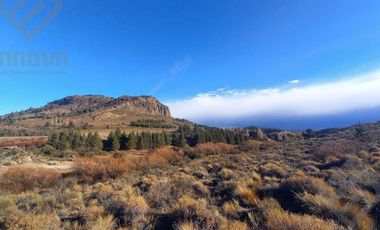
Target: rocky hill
77, 105
90, 112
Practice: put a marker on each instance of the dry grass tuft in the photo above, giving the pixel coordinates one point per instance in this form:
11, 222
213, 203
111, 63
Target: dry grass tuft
245, 195
273, 169
104, 223
198, 213
37, 222
279, 219
237, 225
227, 174
302, 183
231, 209
347, 214
186, 226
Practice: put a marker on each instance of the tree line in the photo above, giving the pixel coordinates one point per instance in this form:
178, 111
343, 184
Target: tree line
150, 123
118, 140
74, 140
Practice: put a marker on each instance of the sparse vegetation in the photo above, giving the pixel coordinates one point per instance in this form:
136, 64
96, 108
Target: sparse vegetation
194, 177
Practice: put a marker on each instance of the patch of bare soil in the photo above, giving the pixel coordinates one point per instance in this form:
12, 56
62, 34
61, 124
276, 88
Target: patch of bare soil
19, 157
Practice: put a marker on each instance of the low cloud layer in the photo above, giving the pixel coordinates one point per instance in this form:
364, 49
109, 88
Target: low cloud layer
320, 99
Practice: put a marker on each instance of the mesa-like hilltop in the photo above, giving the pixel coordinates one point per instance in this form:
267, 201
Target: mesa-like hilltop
93, 113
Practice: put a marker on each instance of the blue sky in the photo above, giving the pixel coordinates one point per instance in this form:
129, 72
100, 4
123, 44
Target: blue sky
178, 50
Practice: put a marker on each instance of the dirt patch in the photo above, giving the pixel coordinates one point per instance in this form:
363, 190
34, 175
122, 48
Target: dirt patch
59, 166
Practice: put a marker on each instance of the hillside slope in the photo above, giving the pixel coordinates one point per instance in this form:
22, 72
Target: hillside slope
92, 113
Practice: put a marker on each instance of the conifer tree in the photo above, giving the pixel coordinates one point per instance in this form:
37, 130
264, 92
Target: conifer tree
132, 141
90, 140
140, 142
118, 133
123, 141
97, 141
113, 143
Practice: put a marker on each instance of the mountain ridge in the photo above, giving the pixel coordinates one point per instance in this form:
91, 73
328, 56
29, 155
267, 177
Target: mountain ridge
94, 112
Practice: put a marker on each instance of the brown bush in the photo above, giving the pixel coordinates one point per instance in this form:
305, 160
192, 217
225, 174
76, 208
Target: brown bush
251, 145
21, 179
100, 168
160, 156
207, 149
330, 150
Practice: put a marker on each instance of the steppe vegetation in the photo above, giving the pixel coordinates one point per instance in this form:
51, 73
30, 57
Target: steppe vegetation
125, 163
320, 182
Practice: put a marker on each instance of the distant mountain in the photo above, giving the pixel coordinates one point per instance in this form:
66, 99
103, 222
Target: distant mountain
93, 113
78, 105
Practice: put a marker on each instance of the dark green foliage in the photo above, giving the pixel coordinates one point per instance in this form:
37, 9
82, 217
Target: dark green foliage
49, 150
112, 143
361, 135
200, 134
183, 137
75, 141
150, 123
123, 141
118, 133
94, 142
180, 138
132, 141
117, 140
309, 133
23, 132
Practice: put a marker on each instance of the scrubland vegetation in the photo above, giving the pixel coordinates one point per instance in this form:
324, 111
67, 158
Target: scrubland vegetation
313, 183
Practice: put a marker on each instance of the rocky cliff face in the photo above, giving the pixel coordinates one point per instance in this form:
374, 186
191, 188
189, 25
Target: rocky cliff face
143, 104
79, 105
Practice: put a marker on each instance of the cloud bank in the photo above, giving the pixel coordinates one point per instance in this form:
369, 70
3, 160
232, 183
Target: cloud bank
320, 99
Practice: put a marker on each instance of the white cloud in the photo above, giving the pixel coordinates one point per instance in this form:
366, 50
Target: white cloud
355, 93
294, 82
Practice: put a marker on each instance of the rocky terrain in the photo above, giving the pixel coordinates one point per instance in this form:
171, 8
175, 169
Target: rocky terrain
88, 113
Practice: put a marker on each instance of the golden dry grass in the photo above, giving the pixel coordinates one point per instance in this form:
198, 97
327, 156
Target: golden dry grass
279, 219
